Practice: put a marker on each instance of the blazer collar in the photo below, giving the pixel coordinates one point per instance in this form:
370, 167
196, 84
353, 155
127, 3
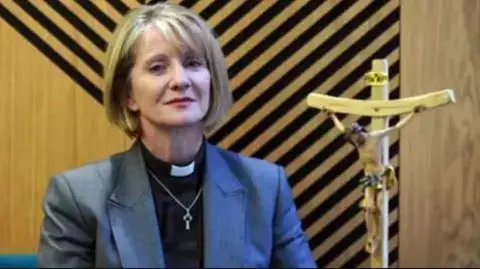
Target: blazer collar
133, 178
134, 224
224, 209
225, 175
132, 181
132, 215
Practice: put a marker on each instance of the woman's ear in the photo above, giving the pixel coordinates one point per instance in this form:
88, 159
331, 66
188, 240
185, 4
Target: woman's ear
131, 104
130, 101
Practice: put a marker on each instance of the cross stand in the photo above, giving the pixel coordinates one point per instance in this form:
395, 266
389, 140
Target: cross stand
372, 146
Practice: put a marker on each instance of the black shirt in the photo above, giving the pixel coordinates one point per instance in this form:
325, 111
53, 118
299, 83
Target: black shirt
181, 247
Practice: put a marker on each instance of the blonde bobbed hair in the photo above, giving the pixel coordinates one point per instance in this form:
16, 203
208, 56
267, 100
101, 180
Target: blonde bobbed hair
180, 27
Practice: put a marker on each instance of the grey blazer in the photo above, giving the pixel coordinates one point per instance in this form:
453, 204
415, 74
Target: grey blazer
102, 215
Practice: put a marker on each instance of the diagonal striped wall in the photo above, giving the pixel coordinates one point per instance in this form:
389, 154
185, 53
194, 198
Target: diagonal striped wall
277, 52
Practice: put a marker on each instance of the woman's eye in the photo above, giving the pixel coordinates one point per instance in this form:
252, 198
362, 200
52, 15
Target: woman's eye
194, 63
156, 68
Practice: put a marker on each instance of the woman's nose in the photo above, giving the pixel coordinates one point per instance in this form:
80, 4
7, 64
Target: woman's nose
180, 79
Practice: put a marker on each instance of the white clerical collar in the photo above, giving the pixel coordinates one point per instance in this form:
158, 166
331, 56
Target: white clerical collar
182, 171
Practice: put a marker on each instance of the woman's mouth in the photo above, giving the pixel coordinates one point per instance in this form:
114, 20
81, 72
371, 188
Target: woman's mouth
180, 102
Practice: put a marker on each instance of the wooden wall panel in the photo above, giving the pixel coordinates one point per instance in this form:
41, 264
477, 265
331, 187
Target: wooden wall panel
440, 172
277, 52
48, 124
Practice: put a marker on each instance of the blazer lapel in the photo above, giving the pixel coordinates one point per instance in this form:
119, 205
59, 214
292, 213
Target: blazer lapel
132, 215
224, 207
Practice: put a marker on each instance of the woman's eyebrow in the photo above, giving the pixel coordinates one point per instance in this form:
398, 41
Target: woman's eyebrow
156, 57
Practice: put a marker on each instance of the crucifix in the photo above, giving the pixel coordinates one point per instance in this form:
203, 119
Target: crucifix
373, 146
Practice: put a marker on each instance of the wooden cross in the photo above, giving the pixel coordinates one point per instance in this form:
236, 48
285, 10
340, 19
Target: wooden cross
372, 146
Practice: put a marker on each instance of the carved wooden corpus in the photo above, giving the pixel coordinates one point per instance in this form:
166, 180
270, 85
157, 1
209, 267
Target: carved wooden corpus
372, 146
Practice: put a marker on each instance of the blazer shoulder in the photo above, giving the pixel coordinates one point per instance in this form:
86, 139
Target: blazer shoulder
259, 171
96, 175
251, 162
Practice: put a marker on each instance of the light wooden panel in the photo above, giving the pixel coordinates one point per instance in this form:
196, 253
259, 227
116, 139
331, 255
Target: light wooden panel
47, 125
440, 172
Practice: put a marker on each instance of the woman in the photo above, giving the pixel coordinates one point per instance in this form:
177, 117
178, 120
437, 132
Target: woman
172, 199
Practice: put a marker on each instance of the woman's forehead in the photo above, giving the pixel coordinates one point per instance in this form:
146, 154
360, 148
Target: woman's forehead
154, 40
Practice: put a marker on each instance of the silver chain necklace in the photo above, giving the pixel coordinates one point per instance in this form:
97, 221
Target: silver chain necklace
187, 217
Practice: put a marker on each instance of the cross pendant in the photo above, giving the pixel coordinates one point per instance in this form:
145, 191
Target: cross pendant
187, 218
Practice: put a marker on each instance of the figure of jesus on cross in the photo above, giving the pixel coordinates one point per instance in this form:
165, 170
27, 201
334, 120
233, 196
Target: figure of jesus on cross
372, 146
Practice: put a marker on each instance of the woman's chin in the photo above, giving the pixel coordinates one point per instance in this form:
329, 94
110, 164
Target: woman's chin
182, 123
174, 121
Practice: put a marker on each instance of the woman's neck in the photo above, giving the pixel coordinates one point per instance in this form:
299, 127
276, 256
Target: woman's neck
176, 146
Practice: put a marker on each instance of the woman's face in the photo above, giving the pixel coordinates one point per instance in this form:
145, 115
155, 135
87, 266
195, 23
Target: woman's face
169, 88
